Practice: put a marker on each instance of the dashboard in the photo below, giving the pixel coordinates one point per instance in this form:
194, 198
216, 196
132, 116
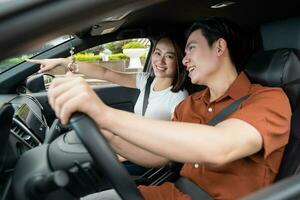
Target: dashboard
29, 123
23, 129
28, 126
29, 114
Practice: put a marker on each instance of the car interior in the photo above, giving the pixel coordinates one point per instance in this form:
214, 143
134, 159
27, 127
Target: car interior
42, 159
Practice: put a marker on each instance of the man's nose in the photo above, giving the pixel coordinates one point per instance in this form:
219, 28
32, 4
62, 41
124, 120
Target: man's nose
185, 60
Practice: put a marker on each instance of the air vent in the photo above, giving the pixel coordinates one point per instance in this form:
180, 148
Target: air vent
22, 133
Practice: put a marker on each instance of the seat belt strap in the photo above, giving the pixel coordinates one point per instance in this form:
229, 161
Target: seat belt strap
194, 191
146, 95
227, 111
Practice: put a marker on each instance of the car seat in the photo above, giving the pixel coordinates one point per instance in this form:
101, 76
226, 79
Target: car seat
281, 68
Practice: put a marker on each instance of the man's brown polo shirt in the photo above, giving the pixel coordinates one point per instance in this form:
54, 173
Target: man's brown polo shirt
267, 109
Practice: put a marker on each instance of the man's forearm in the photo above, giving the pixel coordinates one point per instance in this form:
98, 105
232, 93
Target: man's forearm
136, 154
185, 142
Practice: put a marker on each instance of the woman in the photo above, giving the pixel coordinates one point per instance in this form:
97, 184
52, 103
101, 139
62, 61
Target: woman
167, 89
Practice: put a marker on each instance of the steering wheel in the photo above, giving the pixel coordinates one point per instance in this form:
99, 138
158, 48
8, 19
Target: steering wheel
104, 157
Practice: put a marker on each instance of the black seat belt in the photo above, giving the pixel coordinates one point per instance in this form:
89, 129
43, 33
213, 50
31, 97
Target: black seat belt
146, 95
226, 111
187, 186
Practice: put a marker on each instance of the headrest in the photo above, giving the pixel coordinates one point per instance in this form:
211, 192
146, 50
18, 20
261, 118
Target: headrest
277, 68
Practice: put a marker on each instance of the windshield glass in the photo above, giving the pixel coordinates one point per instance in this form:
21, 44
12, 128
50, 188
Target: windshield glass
14, 61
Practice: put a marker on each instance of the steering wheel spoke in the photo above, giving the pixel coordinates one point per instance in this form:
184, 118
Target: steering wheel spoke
104, 157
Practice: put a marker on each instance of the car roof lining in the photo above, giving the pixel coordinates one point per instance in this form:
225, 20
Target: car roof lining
69, 16
140, 23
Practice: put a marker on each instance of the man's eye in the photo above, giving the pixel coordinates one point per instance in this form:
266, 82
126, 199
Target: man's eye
191, 47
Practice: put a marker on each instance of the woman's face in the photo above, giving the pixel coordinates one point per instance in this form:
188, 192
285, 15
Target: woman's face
164, 59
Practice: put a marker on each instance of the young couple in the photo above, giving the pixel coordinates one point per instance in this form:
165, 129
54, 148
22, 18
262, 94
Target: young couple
233, 158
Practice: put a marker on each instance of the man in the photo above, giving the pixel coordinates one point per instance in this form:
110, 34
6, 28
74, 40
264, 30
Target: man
237, 156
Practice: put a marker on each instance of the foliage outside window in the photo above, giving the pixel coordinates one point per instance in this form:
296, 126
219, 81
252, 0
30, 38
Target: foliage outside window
116, 59
133, 45
92, 54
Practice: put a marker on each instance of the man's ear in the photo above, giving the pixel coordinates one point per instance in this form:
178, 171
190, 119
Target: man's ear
221, 46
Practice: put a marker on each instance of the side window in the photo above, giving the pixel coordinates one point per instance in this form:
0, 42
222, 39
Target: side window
124, 56
14, 61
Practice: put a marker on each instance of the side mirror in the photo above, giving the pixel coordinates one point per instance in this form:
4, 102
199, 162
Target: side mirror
38, 82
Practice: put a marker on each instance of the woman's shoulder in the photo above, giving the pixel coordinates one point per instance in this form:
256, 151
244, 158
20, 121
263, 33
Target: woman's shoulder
143, 75
180, 93
177, 97
141, 79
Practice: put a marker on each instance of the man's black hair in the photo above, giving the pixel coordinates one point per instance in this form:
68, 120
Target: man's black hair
214, 28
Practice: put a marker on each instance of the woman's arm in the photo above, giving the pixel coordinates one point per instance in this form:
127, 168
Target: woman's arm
100, 72
89, 69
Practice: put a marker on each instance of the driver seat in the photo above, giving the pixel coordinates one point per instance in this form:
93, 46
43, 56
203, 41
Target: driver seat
281, 68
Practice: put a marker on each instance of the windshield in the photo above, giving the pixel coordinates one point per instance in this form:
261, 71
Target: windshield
14, 61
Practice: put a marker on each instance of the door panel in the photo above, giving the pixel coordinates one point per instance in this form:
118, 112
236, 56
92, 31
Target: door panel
113, 95
118, 97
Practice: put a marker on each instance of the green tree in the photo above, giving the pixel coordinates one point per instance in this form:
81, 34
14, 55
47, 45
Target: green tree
132, 45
